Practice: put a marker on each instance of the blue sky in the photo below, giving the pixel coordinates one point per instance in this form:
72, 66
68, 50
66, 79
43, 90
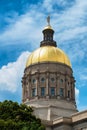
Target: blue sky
21, 25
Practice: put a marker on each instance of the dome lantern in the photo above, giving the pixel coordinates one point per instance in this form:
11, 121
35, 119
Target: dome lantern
48, 33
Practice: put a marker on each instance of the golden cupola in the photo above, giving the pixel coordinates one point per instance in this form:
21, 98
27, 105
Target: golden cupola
48, 51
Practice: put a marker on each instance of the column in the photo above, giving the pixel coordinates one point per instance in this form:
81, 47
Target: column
58, 85
37, 87
73, 90
29, 88
27, 95
47, 84
26, 89
22, 92
22, 89
65, 86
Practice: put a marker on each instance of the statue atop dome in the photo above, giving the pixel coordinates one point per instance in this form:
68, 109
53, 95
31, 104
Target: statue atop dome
48, 20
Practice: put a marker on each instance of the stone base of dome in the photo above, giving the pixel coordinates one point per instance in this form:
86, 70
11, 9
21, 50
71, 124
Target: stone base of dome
51, 109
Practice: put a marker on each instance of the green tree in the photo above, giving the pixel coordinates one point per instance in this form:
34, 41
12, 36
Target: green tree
18, 117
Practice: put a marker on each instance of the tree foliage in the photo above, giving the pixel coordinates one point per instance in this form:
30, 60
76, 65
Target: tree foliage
18, 117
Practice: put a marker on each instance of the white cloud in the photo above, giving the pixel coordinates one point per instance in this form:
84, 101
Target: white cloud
83, 74
30, 24
83, 77
68, 26
71, 21
22, 31
12, 73
77, 95
76, 53
48, 5
72, 33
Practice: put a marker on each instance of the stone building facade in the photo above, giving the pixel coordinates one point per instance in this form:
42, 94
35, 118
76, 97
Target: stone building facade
48, 86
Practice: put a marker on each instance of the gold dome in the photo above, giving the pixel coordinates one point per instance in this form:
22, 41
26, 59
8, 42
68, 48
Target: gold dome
48, 27
48, 54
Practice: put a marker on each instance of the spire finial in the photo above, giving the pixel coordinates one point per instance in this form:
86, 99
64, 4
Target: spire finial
48, 20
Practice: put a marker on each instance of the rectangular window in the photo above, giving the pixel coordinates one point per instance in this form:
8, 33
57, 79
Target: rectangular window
61, 92
33, 92
68, 94
34, 81
42, 91
52, 91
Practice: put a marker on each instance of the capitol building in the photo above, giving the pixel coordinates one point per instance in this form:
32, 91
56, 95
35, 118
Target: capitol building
48, 86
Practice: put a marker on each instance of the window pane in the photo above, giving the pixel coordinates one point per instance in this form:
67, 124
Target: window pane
68, 94
42, 79
34, 81
52, 91
42, 91
34, 92
61, 91
61, 80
